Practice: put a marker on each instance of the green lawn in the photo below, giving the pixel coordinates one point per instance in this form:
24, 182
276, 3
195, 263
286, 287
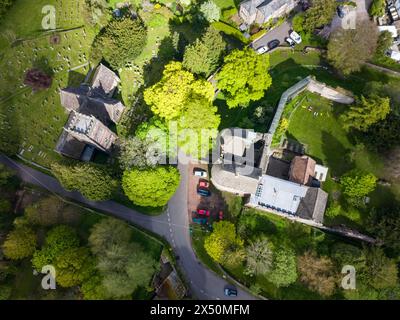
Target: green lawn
33, 120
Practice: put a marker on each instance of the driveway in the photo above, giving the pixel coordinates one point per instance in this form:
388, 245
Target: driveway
173, 225
280, 33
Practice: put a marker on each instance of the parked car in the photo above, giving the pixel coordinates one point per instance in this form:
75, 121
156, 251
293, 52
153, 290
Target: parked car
273, 44
221, 215
305, 5
200, 173
203, 212
340, 12
290, 41
230, 292
262, 50
204, 184
200, 220
203, 192
295, 37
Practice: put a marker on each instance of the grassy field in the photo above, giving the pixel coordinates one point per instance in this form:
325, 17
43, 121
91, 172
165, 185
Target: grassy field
33, 120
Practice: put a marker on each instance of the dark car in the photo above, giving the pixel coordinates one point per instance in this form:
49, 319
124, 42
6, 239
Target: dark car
230, 292
340, 12
203, 192
273, 44
305, 5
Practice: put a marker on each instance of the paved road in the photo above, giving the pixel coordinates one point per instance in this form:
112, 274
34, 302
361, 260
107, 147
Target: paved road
280, 33
172, 225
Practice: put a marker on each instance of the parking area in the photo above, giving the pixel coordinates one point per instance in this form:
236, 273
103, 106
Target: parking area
214, 203
279, 33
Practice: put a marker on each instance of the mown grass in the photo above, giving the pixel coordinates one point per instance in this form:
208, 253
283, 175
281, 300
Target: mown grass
33, 120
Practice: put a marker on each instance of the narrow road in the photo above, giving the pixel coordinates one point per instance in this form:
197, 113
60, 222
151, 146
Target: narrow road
173, 225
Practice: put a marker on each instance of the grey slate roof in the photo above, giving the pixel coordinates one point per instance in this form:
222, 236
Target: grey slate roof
313, 205
105, 81
68, 146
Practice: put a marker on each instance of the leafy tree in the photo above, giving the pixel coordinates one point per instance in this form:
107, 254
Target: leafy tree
203, 56
199, 123
346, 254
140, 153
169, 96
283, 272
152, 187
383, 135
93, 289
74, 266
20, 243
5, 206
384, 223
210, 11
317, 273
222, 241
366, 112
108, 232
349, 49
37, 79
156, 130
5, 174
381, 272
319, 14
244, 77
121, 41
377, 8
357, 184
385, 41
123, 265
4, 6
94, 181
5, 289
259, 257
58, 239
298, 22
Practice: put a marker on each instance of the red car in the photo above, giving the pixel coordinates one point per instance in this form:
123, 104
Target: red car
204, 184
203, 212
221, 215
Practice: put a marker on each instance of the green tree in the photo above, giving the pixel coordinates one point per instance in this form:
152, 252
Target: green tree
349, 49
317, 273
203, 56
385, 41
298, 22
5, 289
319, 14
384, 223
383, 135
93, 289
5, 206
58, 239
167, 98
94, 181
5, 174
108, 232
357, 184
121, 41
152, 187
366, 112
20, 243
222, 241
381, 272
73, 266
197, 126
210, 11
377, 8
284, 270
244, 77
140, 153
346, 254
259, 257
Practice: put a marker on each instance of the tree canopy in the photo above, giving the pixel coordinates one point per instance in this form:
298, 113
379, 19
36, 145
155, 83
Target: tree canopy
318, 273
349, 49
94, 181
210, 11
366, 112
357, 184
377, 8
284, 267
319, 14
20, 243
223, 241
152, 187
121, 41
204, 55
244, 77
168, 97
259, 257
